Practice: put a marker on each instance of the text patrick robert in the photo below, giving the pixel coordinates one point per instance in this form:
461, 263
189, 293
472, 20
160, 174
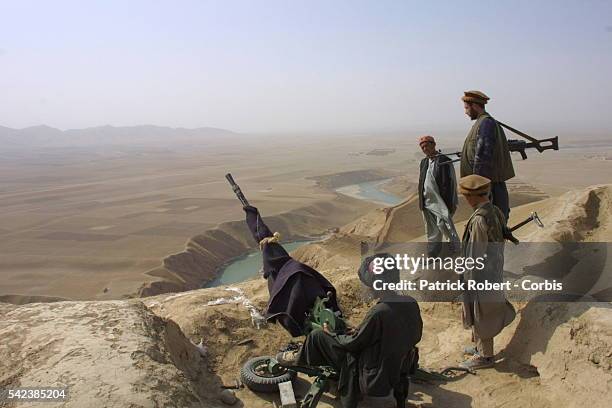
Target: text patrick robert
469, 284
457, 264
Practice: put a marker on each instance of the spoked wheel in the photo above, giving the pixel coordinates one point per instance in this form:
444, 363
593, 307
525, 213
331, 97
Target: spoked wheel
256, 375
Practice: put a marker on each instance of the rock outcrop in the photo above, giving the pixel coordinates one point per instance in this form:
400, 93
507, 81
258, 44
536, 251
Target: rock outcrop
108, 354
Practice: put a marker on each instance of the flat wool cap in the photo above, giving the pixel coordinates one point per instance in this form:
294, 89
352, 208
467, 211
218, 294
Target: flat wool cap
475, 96
426, 139
474, 185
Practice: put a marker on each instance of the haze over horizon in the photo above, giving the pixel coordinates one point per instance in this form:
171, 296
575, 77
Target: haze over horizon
311, 66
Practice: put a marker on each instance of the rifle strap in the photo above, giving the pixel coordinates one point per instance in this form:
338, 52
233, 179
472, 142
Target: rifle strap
518, 132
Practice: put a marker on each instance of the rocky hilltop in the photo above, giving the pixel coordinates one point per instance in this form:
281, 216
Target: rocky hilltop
143, 353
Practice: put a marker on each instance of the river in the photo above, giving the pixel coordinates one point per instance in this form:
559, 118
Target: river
370, 191
247, 266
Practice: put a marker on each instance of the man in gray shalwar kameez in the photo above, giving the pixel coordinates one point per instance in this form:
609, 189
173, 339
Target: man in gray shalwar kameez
437, 197
486, 312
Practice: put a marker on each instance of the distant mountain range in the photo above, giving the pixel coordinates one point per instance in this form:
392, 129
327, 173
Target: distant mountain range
46, 136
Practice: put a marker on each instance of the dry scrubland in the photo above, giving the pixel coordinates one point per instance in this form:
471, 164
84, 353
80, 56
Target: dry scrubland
164, 218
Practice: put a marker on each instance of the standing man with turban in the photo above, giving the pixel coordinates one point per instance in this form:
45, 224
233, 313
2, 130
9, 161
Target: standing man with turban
486, 312
437, 197
485, 150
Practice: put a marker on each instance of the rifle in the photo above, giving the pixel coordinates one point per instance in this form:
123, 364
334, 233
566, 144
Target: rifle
237, 190
520, 145
508, 231
515, 145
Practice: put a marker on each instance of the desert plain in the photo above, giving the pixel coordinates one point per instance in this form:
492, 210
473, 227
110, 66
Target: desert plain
138, 226
89, 221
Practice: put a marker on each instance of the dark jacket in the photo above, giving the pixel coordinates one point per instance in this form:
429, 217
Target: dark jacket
293, 286
444, 180
379, 352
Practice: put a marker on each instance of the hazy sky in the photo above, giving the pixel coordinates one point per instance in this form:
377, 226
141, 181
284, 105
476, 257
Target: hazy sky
307, 66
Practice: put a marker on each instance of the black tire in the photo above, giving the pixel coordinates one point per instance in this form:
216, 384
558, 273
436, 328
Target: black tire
251, 376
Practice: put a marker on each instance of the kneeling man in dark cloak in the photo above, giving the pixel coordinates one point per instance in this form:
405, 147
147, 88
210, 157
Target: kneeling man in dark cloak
376, 357
293, 286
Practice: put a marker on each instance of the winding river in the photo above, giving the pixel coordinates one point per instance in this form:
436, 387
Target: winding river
247, 266
371, 191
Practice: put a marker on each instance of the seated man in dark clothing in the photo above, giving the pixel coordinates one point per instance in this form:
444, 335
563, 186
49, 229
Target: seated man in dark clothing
374, 358
293, 286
